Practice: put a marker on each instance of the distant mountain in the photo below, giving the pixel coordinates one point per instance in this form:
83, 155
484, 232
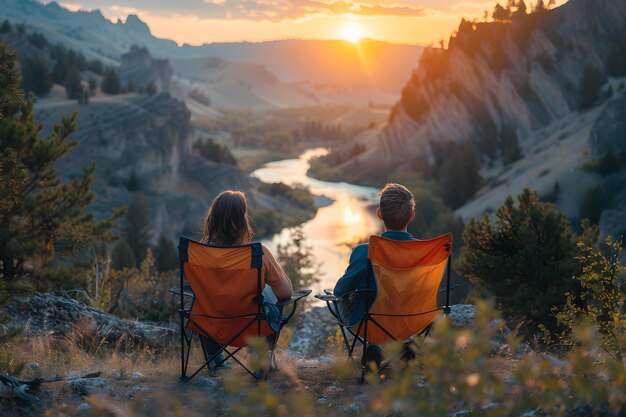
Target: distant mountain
86, 31
380, 65
379, 69
230, 84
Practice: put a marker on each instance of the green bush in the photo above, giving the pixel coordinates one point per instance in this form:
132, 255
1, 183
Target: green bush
600, 301
526, 260
606, 165
299, 195
215, 152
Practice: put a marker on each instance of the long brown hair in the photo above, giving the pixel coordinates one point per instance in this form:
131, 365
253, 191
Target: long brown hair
227, 222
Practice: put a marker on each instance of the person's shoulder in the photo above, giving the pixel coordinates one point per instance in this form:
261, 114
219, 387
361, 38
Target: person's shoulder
360, 250
266, 251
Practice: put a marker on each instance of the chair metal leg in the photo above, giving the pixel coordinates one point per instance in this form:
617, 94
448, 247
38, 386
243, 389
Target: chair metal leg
363, 364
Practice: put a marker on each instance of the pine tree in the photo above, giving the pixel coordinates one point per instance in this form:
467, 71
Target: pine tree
73, 85
521, 9
557, 189
540, 7
137, 225
41, 216
500, 14
111, 83
36, 77
122, 256
10, 95
6, 27
531, 249
60, 69
297, 260
165, 255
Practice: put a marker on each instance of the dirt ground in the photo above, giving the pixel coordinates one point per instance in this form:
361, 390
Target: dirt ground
137, 385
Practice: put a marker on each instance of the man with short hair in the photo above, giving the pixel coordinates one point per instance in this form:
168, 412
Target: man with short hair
396, 210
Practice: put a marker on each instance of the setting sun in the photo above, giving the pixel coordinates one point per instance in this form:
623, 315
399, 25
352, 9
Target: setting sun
352, 33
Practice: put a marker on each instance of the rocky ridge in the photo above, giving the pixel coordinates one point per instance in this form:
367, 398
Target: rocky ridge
50, 315
139, 69
470, 95
147, 139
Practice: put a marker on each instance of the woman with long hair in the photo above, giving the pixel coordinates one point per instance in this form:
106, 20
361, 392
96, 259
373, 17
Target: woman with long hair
228, 224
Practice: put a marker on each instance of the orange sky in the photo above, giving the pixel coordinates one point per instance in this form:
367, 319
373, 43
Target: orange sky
195, 22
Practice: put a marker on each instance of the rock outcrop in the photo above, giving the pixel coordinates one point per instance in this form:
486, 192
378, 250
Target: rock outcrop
48, 314
314, 328
141, 71
317, 326
144, 143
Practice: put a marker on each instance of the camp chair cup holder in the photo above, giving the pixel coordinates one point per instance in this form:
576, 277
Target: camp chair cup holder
409, 277
221, 299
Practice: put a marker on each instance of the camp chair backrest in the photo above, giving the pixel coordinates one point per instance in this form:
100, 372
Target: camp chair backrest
408, 275
227, 284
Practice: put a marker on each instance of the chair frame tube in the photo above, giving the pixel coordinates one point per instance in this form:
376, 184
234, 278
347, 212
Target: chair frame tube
186, 318
367, 317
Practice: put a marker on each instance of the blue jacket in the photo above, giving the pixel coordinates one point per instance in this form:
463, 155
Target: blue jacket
359, 276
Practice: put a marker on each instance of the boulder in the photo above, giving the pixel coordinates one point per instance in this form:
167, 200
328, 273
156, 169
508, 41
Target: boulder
86, 386
462, 316
314, 327
48, 314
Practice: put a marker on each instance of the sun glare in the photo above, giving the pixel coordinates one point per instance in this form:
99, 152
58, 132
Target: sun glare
352, 33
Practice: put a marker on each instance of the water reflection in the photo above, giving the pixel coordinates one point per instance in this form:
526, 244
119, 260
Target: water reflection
336, 227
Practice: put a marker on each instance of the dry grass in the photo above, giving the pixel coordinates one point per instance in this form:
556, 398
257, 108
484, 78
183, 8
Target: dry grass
158, 391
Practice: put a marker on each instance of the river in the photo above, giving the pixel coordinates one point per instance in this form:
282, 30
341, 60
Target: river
336, 227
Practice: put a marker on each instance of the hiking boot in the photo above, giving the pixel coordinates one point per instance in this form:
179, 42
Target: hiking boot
373, 355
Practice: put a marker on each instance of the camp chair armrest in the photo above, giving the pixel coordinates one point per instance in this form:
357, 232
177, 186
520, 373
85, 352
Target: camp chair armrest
297, 295
326, 297
452, 287
187, 292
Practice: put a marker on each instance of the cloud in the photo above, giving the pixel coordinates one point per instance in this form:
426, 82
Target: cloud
263, 10
278, 10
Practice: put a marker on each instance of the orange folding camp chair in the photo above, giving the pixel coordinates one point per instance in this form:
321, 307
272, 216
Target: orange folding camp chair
408, 276
221, 299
